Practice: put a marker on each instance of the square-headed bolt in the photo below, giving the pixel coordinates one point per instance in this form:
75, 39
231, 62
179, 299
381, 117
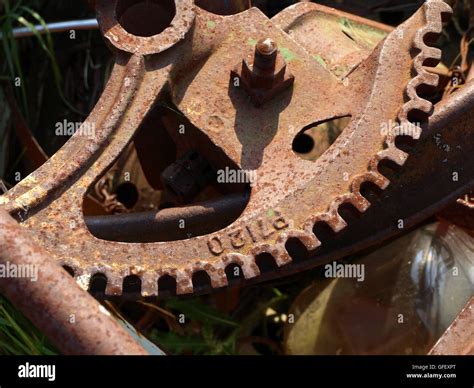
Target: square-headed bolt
186, 177
266, 75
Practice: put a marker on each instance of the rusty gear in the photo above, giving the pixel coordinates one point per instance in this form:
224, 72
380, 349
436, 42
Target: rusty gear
191, 63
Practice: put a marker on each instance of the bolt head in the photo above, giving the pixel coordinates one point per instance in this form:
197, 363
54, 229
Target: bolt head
266, 47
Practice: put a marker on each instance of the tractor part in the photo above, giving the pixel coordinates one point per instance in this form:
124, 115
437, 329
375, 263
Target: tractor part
187, 60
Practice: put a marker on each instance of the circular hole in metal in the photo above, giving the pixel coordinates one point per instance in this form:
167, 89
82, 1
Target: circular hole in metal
228, 7
127, 193
315, 139
303, 144
145, 18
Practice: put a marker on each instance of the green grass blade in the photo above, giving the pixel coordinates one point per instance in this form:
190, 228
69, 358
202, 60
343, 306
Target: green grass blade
200, 312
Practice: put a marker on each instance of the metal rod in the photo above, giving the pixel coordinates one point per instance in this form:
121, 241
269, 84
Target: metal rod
200, 219
72, 319
86, 24
450, 109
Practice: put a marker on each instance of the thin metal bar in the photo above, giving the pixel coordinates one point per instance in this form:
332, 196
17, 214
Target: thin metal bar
201, 218
86, 24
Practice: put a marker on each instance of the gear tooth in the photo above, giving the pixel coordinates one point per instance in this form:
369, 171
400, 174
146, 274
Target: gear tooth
334, 221
217, 275
372, 177
246, 262
114, 284
357, 201
377, 179
374, 163
417, 104
250, 268
410, 129
435, 12
424, 78
439, 8
395, 155
313, 220
219, 280
278, 252
308, 227
357, 182
282, 258
307, 237
337, 223
433, 53
446, 11
360, 202
184, 283
149, 284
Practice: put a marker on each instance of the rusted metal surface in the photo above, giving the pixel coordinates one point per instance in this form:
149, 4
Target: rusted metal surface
429, 162
291, 196
411, 198
339, 41
73, 320
120, 38
459, 337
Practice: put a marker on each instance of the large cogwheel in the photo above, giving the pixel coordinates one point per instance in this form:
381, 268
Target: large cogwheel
190, 63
